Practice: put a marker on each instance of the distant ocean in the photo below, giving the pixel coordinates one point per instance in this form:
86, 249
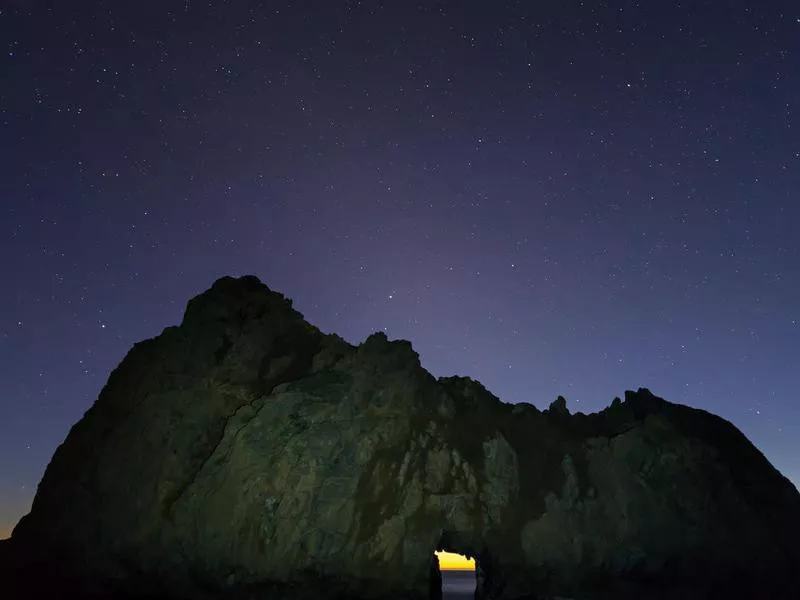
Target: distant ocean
458, 585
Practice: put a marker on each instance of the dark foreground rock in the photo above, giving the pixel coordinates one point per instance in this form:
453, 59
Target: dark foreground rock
244, 454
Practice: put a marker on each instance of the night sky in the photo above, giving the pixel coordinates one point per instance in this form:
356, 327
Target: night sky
552, 197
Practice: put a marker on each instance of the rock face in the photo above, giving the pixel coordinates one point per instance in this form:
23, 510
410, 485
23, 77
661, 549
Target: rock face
244, 454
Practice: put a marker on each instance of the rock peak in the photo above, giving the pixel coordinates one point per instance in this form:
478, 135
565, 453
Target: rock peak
558, 407
232, 298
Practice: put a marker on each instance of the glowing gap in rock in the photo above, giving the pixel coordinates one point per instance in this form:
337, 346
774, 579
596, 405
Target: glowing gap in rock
449, 561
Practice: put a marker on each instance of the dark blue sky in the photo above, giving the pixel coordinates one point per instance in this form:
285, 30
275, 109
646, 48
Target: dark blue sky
552, 197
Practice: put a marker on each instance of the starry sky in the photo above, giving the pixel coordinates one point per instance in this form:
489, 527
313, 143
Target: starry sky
553, 197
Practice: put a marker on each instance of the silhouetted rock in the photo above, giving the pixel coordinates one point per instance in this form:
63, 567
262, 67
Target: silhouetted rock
558, 407
244, 454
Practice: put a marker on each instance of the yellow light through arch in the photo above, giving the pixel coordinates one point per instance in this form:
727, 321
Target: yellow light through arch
449, 561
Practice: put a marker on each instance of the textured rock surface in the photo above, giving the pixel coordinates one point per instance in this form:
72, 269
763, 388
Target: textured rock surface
244, 454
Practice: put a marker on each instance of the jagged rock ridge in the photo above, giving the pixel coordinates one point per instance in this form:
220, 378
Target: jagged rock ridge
245, 454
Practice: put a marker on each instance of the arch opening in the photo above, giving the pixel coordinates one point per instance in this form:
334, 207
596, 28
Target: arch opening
458, 572
457, 575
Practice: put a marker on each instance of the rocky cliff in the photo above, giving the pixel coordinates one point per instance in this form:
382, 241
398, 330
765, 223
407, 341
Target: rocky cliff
245, 454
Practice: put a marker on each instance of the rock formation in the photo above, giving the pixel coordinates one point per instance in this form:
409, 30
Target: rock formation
245, 454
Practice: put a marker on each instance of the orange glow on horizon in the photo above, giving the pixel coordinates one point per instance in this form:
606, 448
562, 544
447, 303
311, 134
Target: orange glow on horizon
449, 561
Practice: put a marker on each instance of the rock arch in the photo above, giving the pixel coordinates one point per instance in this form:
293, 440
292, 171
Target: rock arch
260, 453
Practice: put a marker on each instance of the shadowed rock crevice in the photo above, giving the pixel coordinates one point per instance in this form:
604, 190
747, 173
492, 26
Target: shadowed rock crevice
435, 587
246, 454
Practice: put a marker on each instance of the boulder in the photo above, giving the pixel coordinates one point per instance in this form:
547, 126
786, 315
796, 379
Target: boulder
245, 454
